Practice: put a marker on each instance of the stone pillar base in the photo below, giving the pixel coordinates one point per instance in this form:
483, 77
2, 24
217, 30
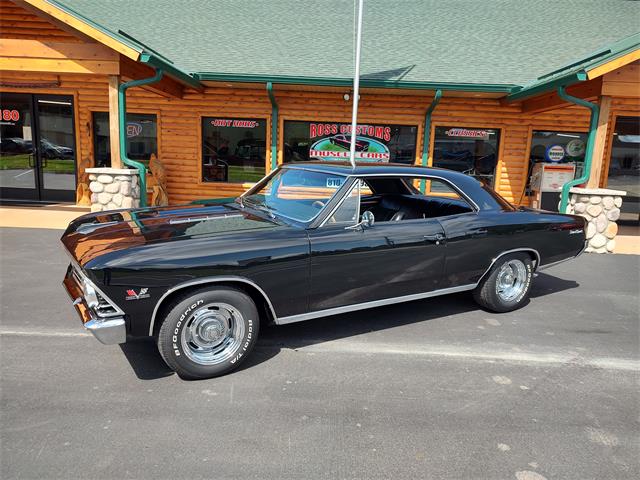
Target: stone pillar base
601, 208
113, 188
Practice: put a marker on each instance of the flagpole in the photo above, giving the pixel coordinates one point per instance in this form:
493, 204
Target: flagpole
356, 88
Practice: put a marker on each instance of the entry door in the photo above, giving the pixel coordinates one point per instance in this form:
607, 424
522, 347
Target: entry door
389, 259
37, 147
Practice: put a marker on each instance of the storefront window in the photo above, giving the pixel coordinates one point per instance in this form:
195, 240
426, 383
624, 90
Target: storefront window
558, 147
233, 149
624, 165
305, 141
473, 151
142, 138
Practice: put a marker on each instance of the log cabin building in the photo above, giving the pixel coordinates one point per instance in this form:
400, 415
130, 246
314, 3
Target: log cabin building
239, 87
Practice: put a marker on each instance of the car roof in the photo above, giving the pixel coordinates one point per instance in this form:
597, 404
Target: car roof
375, 168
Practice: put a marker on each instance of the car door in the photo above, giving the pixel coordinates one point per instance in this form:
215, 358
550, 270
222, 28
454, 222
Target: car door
387, 260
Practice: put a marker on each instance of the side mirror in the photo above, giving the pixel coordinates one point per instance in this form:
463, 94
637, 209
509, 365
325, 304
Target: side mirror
367, 221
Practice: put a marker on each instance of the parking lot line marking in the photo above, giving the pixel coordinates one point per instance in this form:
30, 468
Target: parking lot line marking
379, 348
42, 333
549, 358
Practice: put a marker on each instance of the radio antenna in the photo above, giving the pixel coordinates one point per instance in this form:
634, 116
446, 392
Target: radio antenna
356, 87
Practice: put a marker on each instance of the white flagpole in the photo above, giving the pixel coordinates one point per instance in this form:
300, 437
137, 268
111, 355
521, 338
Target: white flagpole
356, 88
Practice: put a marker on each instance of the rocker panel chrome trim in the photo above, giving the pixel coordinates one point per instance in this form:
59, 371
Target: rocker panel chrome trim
372, 304
204, 281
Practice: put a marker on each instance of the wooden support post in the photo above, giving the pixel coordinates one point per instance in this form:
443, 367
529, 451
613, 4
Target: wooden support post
597, 160
114, 123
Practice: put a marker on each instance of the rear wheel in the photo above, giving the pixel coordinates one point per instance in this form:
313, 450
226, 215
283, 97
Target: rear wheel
507, 285
208, 332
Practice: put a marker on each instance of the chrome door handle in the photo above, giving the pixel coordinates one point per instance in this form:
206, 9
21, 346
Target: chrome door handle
437, 238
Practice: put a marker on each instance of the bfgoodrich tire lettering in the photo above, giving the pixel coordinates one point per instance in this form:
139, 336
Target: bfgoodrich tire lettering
507, 285
208, 332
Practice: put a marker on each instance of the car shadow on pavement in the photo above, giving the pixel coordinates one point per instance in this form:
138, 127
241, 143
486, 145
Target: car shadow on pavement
145, 360
147, 363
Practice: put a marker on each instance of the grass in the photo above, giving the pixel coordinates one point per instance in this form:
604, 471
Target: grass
239, 175
21, 162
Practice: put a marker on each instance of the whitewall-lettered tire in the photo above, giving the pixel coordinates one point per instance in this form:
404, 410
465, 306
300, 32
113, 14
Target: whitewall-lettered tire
507, 285
208, 332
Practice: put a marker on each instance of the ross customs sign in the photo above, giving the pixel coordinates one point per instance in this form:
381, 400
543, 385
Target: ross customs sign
335, 142
331, 142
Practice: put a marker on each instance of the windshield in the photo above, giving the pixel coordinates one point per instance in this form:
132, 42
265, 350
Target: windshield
295, 194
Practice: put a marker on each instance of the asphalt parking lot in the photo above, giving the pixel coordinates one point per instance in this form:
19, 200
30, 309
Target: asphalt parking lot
431, 389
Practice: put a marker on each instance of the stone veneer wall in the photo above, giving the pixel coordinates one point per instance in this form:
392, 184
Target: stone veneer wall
113, 188
601, 208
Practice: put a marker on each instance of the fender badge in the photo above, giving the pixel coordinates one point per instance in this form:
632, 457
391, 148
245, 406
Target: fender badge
132, 295
574, 232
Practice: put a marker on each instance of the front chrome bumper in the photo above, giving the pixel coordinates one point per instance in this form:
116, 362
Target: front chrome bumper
108, 330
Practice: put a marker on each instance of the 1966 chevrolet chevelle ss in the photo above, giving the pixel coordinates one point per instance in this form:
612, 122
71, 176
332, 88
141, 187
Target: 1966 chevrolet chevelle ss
309, 240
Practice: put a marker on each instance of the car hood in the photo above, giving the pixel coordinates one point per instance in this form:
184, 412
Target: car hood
96, 234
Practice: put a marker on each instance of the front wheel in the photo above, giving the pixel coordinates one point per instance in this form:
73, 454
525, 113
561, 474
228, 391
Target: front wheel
507, 285
208, 332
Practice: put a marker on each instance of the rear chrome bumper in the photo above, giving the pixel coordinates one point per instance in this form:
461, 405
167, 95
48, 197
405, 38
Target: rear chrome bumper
108, 330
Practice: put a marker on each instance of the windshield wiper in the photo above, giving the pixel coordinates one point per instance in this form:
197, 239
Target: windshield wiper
262, 207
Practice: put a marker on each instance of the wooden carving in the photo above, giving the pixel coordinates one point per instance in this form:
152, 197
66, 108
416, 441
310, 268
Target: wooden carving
83, 194
157, 182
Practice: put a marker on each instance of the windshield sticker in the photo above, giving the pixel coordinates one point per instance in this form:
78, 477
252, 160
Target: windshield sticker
334, 182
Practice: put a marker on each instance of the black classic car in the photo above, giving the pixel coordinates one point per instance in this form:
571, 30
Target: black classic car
309, 240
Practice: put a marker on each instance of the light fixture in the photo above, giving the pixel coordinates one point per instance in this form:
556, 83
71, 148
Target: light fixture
346, 97
53, 102
568, 135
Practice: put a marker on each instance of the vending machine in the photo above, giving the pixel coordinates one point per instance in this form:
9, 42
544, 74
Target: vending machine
546, 183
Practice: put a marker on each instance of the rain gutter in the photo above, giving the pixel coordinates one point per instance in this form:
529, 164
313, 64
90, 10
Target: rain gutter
427, 133
122, 117
591, 139
348, 82
274, 126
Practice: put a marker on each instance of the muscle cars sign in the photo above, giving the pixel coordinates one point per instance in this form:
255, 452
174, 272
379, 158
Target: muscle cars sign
331, 141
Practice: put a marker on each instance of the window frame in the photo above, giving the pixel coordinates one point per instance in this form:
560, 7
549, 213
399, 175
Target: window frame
606, 161
135, 111
501, 127
267, 119
323, 219
526, 193
361, 121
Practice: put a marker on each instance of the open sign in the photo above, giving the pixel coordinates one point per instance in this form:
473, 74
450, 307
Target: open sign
133, 129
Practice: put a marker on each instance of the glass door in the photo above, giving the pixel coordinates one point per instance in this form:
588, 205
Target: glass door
57, 148
37, 147
624, 165
18, 174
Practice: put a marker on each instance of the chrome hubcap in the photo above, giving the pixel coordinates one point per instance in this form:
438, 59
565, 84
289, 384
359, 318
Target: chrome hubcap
212, 334
511, 280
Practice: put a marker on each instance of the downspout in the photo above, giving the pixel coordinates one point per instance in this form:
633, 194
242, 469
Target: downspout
122, 114
427, 134
274, 126
593, 126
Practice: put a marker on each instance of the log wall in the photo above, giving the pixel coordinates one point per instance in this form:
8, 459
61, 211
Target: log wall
179, 120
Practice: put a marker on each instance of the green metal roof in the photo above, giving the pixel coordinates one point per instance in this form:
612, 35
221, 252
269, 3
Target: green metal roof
577, 71
478, 45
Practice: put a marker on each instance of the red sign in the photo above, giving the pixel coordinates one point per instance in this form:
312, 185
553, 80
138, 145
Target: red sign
10, 115
373, 131
467, 133
228, 122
